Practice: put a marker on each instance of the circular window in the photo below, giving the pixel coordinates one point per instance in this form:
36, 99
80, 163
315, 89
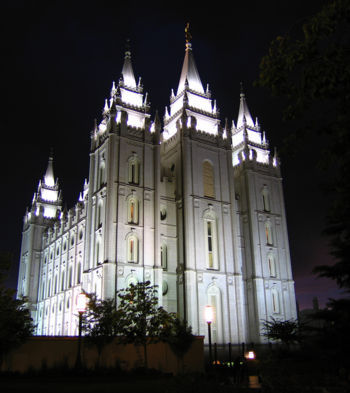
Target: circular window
163, 213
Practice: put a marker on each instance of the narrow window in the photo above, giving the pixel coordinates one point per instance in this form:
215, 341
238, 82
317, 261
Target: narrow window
62, 281
70, 278
79, 273
133, 171
164, 256
214, 300
268, 233
132, 244
55, 286
272, 265
266, 199
275, 301
211, 243
99, 216
43, 291
133, 210
208, 179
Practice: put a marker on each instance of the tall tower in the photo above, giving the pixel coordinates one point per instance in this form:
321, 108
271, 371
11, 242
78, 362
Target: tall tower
196, 150
45, 209
120, 218
262, 235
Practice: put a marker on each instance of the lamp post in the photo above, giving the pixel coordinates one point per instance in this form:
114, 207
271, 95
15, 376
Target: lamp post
209, 316
81, 308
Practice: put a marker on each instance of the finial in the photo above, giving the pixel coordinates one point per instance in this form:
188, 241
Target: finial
188, 36
127, 48
242, 90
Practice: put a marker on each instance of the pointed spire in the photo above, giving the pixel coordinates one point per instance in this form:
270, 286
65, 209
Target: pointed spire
49, 178
189, 69
127, 71
244, 111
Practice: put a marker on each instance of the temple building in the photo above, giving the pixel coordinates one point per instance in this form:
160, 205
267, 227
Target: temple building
192, 205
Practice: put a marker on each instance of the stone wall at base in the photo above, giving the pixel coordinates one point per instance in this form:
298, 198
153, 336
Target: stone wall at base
53, 352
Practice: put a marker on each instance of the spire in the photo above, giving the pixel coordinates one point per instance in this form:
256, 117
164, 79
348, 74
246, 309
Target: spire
244, 114
49, 179
189, 69
127, 71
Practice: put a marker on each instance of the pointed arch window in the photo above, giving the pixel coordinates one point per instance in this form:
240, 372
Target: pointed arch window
164, 256
132, 248
268, 233
133, 210
266, 198
272, 265
208, 179
133, 170
210, 233
214, 300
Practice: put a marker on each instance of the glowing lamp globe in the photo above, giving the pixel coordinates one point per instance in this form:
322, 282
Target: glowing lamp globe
81, 302
209, 314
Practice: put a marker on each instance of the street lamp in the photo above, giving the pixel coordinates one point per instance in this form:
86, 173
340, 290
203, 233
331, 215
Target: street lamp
81, 308
209, 316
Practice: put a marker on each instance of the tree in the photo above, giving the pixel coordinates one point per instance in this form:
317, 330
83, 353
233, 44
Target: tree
101, 322
16, 324
142, 320
310, 68
285, 331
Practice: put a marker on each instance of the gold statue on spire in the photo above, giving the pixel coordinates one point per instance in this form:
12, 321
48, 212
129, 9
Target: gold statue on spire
188, 36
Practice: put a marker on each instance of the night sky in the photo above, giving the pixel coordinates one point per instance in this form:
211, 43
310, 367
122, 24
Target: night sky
59, 59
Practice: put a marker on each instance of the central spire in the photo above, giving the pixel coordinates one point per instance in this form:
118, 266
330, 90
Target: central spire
189, 70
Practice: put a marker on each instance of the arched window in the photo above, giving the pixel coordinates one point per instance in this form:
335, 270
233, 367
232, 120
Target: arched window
133, 210
132, 248
99, 215
210, 233
214, 300
208, 179
133, 170
272, 265
275, 301
268, 233
101, 175
164, 256
49, 288
266, 198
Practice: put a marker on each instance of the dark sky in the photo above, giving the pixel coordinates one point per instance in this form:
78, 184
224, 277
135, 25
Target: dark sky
59, 59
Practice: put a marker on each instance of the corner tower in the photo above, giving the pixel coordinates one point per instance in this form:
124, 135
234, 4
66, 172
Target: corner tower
45, 210
262, 228
120, 221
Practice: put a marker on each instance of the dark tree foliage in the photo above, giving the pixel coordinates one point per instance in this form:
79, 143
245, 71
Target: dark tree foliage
138, 319
310, 68
101, 322
16, 324
277, 330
